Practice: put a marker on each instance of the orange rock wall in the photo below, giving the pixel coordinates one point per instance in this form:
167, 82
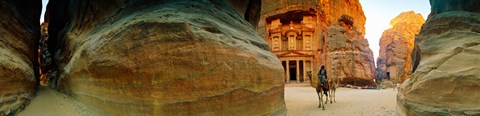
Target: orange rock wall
396, 46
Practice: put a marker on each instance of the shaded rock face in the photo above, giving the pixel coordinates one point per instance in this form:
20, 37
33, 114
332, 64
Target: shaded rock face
249, 9
446, 78
20, 31
128, 57
396, 46
439, 6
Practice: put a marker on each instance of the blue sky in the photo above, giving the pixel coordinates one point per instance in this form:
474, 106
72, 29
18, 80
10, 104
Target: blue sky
44, 6
380, 12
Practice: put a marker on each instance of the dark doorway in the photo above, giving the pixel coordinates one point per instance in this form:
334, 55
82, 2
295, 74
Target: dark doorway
293, 70
293, 74
388, 75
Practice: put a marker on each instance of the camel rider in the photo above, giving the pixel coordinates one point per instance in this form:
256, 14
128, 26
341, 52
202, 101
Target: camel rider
322, 75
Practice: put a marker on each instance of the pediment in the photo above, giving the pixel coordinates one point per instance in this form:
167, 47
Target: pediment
294, 53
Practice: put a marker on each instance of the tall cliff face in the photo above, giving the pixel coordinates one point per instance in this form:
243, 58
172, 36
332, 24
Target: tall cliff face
328, 11
446, 67
348, 56
163, 58
20, 31
339, 41
396, 46
333, 10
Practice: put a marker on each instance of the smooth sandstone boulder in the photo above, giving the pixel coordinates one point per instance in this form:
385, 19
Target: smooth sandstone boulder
163, 58
446, 66
20, 31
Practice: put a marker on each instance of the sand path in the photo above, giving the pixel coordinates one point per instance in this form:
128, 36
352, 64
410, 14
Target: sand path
300, 101
49, 102
303, 101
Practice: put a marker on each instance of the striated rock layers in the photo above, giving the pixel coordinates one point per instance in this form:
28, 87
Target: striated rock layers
396, 46
446, 61
20, 31
128, 57
338, 35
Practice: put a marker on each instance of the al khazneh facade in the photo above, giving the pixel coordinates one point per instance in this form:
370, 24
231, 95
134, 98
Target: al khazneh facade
293, 38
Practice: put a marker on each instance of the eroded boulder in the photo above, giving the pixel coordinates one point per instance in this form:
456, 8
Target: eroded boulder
163, 58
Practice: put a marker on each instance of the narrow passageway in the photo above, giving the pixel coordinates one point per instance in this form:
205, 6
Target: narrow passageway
49, 102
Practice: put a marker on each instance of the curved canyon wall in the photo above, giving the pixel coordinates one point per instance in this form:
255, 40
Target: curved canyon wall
446, 67
20, 31
396, 46
163, 58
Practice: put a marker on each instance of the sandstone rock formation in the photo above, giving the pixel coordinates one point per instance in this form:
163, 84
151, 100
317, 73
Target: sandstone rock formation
446, 73
127, 57
249, 9
328, 11
348, 55
338, 35
19, 30
396, 46
44, 56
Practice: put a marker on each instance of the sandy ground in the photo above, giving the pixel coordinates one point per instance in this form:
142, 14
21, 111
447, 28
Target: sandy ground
49, 102
303, 101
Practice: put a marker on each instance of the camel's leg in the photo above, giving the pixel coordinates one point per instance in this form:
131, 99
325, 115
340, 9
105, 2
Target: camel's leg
334, 94
319, 99
323, 106
326, 96
331, 95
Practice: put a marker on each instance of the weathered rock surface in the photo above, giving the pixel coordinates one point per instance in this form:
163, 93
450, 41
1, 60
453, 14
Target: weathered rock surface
446, 56
348, 56
249, 9
19, 30
329, 11
396, 46
128, 57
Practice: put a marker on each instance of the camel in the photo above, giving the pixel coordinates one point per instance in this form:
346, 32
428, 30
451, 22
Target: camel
333, 88
318, 87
